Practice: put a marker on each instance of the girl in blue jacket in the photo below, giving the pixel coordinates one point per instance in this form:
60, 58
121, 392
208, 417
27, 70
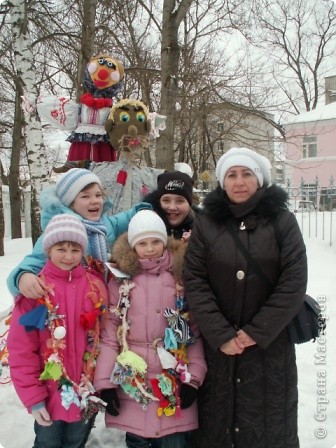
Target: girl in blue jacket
78, 192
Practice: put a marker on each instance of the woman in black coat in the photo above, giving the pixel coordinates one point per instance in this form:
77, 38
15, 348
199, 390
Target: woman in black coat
249, 397
172, 201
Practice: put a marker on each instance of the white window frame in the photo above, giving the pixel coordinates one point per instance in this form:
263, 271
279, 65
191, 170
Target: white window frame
309, 146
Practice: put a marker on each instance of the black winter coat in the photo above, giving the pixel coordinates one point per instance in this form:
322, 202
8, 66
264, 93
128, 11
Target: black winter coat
247, 400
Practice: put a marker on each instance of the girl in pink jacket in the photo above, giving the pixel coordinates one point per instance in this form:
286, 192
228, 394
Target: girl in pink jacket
53, 342
151, 362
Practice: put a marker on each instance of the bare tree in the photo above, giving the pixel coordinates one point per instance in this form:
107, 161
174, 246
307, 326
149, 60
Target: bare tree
174, 12
177, 60
2, 221
87, 39
55, 44
34, 137
15, 157
298, 38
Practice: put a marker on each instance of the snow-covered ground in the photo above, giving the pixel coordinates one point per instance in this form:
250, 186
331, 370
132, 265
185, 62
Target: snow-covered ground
316, 361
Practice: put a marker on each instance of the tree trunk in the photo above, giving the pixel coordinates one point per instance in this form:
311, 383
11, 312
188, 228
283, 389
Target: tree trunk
170, 54
24, 59
14, 170
2, 222
87, 41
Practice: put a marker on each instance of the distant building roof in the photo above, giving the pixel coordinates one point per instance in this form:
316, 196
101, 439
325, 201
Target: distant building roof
326, 112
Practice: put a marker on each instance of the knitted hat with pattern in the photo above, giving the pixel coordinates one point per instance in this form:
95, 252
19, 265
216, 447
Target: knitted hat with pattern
72, 182
146, 224
257, 163
64, 228
175, 182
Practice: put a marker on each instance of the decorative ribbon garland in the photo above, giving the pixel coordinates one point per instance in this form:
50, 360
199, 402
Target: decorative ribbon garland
130, 369
46, 315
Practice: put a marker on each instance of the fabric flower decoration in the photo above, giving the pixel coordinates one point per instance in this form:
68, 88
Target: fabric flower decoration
69, 396
87, 320
170, 339
121, 177
133, 361
144, 190
167, 360
180, 327
157, 392
118, 374
52, 371
34, 319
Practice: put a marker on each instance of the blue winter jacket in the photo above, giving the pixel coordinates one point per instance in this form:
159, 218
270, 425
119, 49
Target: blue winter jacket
51, 206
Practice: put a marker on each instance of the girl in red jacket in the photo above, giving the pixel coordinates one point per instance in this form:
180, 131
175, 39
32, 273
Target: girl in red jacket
53, 341
151, 362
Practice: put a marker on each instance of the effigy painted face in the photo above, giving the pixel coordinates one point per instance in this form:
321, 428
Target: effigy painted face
128, 125
105, 71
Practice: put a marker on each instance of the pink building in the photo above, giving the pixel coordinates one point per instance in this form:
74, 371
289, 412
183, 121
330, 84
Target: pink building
311, 143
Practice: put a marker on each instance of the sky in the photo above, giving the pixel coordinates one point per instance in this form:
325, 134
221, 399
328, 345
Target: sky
316, 361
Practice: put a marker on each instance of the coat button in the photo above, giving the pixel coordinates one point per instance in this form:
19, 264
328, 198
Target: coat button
237, 429
240, 275
158, 311
238, 380
157, 433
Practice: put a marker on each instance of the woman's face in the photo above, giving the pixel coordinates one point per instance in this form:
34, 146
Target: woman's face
175, 207
240, 183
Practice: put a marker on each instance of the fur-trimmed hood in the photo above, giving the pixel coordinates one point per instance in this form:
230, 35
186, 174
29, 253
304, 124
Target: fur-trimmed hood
272, 202
127, 260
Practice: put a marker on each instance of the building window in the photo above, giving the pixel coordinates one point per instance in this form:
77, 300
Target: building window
220, 127
309, 147
279, 173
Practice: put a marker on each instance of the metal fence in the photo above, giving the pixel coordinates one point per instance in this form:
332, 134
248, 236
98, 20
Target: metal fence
314, 207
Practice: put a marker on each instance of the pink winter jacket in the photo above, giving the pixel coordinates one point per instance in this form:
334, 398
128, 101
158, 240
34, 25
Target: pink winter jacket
26, 348
153, 292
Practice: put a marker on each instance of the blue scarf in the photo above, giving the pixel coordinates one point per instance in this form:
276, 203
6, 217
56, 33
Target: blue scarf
96, 232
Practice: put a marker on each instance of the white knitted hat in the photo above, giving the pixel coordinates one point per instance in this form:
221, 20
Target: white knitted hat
72, 182
257, 163
64, 228
146, 224
184, 168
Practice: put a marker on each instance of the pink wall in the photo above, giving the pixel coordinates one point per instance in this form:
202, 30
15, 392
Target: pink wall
324, 165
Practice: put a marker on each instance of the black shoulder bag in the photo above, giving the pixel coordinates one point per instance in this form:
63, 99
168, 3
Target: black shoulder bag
309, 323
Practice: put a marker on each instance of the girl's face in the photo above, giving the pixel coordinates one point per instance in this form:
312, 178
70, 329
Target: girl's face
149, 248
89, 203
176, 208
66, 255
240, 183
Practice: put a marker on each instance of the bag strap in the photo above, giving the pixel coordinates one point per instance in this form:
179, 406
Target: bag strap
277, 233
248, 256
